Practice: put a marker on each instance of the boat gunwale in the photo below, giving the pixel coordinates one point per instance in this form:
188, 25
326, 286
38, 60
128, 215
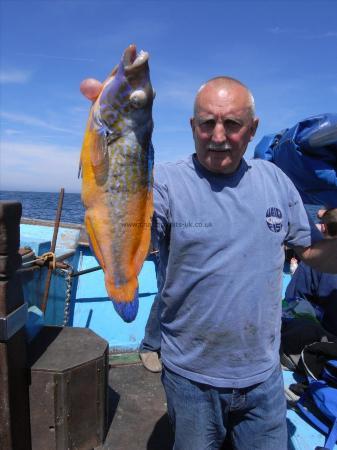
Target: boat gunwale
83, 239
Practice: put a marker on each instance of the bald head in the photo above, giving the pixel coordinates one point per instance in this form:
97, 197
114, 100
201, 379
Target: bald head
224, 123
225, 85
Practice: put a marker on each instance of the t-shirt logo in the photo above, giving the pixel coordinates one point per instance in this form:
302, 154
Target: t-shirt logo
274, 219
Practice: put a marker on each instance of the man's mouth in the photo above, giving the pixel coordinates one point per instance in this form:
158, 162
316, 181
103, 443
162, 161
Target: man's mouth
219, 149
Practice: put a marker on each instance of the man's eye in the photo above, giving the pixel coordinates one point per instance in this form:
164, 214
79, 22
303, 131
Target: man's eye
207, 124
232, 125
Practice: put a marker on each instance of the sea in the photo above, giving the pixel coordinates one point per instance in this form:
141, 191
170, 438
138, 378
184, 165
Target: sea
43, 205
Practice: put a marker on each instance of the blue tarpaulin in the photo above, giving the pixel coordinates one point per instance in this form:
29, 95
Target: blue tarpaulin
307, 153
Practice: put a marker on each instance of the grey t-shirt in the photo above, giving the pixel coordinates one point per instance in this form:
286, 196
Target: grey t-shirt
221, 258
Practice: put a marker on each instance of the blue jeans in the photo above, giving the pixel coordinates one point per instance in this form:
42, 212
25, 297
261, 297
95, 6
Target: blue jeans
202, 415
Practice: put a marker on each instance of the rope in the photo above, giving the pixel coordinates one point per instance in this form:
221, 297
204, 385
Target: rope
48, 256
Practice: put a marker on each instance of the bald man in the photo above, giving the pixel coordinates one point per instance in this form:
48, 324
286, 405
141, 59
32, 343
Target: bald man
220, 224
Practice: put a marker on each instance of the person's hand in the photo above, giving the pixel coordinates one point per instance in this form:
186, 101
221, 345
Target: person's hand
328, 218
321, 226
320, 213
91, 88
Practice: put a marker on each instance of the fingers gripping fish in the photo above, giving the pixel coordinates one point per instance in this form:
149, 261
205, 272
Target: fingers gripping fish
117, 166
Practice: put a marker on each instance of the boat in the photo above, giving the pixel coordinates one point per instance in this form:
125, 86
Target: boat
77, 298
64, 289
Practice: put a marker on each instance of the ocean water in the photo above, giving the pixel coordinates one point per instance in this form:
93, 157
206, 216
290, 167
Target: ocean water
43, 205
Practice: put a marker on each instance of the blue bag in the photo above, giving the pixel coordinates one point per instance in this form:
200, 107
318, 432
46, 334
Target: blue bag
307, 153
321, 372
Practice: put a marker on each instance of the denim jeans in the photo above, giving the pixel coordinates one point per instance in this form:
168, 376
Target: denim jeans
202, 415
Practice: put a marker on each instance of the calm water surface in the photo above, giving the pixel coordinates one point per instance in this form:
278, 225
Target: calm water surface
43, 205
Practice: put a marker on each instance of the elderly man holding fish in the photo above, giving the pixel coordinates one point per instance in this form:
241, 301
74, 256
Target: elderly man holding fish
220, 223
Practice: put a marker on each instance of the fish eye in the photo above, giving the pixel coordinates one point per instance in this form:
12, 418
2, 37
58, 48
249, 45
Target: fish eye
138, 98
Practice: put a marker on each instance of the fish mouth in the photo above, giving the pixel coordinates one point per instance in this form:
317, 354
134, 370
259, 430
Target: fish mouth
132, 60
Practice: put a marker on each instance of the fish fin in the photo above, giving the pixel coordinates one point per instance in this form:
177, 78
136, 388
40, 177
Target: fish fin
99, 157
127, 310
150, 167
114, 71
80, 173
93, 241
99, 151
142, 234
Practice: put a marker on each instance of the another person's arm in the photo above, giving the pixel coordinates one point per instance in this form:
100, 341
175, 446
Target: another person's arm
322, 255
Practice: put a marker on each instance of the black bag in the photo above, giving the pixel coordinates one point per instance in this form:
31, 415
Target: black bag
320, 364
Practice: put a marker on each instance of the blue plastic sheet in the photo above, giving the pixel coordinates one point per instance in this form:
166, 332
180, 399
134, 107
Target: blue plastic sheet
307, 153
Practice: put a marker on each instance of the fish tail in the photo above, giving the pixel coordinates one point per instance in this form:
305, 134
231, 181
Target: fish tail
127, 310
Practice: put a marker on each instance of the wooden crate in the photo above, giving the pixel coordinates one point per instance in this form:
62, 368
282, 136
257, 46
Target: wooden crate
68, 390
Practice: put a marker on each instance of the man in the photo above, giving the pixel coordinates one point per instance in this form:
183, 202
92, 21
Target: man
320, 290
221, 223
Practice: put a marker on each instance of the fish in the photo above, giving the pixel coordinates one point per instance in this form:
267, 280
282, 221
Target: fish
116, 162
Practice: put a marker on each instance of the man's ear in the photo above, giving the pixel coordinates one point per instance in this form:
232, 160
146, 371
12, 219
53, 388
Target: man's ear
91, 88
253, 127
192, 123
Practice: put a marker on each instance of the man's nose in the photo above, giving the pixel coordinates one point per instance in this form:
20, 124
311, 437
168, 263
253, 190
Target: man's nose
219, 133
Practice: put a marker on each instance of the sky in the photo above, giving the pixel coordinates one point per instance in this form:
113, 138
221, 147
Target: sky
285, 52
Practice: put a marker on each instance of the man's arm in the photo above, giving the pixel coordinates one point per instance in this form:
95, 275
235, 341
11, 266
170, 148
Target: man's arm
161, 214
321, 256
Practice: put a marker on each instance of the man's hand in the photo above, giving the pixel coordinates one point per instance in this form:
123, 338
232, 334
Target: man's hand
91, 88
321, 212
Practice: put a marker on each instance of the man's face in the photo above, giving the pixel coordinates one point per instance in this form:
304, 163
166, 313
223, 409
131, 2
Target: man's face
222, 127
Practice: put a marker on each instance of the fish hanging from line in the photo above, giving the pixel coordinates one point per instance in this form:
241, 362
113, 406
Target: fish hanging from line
117, 170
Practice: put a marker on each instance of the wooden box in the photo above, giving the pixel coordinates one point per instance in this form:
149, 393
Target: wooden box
68, 390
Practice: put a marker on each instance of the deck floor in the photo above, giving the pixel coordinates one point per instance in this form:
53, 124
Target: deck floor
138, 418
137, 409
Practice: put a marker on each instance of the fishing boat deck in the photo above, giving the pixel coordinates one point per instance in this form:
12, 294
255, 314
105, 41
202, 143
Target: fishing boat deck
137, 404
137, 410
138, 419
